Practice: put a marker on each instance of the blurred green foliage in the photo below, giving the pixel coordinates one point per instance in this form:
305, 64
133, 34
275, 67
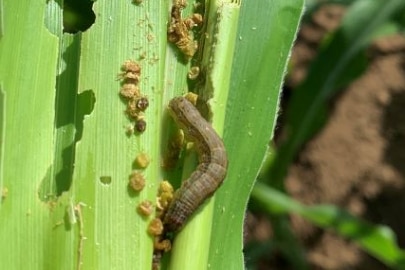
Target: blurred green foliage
341, 59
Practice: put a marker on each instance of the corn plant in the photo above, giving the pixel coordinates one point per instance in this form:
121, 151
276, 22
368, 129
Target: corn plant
65, 156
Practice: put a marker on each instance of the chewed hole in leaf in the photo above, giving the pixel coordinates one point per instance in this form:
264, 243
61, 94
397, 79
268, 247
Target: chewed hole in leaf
105, 180
84, 106
78, 15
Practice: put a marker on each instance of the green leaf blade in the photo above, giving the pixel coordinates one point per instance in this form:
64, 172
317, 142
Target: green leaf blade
266, 32
28, 57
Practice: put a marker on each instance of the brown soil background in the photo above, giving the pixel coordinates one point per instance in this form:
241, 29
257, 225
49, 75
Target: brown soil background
357, 161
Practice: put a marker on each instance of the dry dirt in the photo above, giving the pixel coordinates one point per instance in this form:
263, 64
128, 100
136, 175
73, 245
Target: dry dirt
357, 161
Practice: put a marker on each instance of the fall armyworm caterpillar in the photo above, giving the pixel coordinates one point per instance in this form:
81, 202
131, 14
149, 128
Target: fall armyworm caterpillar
210, 171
